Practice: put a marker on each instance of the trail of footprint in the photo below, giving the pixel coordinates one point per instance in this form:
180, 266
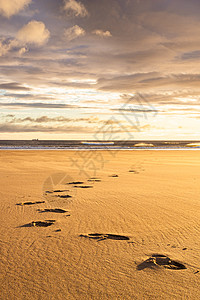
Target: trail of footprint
102, 236
163, 261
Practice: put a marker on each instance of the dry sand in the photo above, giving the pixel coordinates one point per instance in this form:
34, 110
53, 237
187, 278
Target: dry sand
153, 210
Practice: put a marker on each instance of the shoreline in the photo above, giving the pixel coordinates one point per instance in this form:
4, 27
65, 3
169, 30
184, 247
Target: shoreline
114, 149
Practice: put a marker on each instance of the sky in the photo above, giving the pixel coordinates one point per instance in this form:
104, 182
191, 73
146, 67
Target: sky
100, 69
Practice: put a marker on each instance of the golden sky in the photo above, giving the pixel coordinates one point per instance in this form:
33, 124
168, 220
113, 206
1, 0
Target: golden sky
100, 69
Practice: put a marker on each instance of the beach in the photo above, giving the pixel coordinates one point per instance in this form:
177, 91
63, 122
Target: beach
99, 224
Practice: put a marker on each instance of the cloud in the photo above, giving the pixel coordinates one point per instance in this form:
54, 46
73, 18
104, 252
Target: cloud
7, 45
45, 119
152, 81
102, 33
4, 127
73, 32
9, 8
75, 8
13, 86
23, 50
35, 105
34, 33
151, 48
4, 48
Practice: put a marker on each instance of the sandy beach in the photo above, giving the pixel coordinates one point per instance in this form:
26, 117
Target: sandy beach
126, 228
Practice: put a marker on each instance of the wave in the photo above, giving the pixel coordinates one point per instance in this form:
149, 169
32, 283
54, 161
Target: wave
193, 145
97, 143
143, 145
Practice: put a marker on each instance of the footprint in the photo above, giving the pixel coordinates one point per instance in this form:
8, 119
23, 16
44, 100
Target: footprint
75, 182
102, 236
45, 223
83, 186
161, 260
114, 175
94, 180
64, 196
30, 203
55, 184
55, 210
60, 191
133, 171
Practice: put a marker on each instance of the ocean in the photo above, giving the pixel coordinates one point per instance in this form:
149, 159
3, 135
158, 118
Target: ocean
36, 144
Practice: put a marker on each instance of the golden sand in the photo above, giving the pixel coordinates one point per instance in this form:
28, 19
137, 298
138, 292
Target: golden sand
72, 229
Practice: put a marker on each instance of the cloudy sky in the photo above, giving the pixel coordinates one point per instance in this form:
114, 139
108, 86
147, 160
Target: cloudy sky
100, 69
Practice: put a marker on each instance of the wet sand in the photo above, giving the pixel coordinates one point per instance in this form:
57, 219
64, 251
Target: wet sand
99, 225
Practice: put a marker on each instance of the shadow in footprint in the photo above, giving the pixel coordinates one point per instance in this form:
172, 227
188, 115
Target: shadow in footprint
102, 236
161, 260
83, 186
45, 223
54, 210
30, 203
60, 191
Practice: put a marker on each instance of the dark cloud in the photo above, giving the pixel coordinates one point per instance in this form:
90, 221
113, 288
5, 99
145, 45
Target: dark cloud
36, 105
193, 55
13, 86
150, 81
28, 96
